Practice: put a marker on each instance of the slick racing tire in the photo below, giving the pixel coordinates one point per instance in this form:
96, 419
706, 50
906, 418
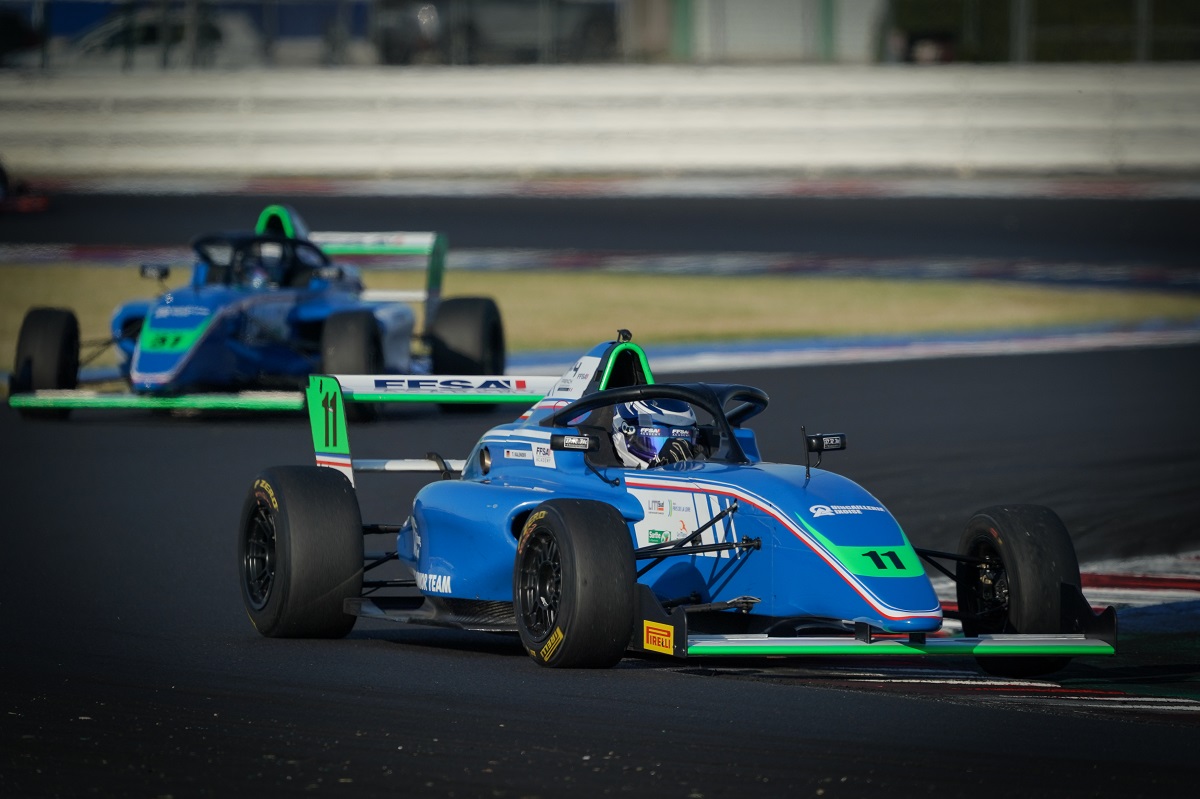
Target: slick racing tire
467, 337
300, 552
573, 583
1027, 555
350, 345
47, 356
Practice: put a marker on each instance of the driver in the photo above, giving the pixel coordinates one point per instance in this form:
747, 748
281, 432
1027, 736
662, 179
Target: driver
650, 433
254, 273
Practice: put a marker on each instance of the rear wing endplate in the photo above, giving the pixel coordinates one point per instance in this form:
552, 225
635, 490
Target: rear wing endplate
326, 398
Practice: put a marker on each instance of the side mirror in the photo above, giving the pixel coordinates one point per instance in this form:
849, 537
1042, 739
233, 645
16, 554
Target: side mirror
576, 443
155, 271
820, 443
825, 442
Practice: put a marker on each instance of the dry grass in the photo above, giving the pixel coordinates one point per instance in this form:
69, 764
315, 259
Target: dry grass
573, 310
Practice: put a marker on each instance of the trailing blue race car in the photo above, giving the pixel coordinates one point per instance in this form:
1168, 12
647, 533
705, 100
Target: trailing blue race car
619, 514
263, 310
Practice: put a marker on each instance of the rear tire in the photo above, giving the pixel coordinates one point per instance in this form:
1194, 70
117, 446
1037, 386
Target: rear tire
300, 552
467, 338
1028, 555
350, 345
47, 357
573, 584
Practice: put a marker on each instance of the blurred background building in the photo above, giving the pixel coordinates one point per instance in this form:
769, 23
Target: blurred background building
224, 34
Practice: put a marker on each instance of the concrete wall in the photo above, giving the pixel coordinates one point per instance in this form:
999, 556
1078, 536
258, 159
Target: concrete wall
598, 121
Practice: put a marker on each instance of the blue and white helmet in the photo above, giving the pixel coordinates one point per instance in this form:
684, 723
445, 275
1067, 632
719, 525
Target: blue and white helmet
642, 429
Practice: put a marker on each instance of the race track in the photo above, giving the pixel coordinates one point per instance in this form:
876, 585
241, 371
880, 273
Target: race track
129, 668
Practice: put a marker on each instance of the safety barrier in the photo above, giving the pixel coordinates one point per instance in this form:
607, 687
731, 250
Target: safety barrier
605, 121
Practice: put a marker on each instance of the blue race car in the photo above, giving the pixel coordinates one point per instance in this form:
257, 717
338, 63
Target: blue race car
263, 310
619, 515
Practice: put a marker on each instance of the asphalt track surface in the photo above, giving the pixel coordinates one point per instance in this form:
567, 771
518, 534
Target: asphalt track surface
128, 667
1097, 231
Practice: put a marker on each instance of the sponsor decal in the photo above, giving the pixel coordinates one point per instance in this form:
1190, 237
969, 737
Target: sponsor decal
842, 510
263, 489
679, 433
543, 456
656, 432
518, 454
433, 583
677, 507
551, 646
176, 311
656, 506
658, 637
573, 383
449, 384
577, 442
658, 536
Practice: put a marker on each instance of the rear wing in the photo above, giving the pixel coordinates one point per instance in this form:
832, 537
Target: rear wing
284, 220
326, 398
431, 245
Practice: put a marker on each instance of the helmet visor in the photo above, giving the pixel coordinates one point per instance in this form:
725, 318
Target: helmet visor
648, 442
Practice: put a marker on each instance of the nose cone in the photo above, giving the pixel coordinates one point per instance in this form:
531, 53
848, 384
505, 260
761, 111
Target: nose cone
172, 331
845, 555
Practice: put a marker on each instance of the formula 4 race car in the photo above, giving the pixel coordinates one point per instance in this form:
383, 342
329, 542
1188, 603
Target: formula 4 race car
546, 531
263, 310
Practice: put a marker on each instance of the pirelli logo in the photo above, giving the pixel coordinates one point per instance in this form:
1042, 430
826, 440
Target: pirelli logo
551, 646
658, 637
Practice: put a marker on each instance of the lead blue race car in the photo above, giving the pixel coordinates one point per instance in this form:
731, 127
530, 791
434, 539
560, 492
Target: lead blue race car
620, 515
263, 309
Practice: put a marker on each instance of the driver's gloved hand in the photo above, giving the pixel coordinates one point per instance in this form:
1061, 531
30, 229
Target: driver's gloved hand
676, 450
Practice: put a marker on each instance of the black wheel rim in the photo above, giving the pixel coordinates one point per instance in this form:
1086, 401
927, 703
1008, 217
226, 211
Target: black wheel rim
258, 562
539, 586
989, 589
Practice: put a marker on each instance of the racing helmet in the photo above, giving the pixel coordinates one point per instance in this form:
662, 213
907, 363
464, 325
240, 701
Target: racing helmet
641, 430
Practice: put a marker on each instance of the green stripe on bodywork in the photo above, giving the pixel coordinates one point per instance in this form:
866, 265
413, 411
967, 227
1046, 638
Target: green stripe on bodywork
888, 560
612, 360
171, 340
443, 399
291, 401
279, 212
327, 416
896, 647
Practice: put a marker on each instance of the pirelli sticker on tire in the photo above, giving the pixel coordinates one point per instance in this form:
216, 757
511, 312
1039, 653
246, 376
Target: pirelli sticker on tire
530, 524
658, 637
263, 489
551, 646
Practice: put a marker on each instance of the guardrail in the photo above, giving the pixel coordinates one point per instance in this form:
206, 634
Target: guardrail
605, 120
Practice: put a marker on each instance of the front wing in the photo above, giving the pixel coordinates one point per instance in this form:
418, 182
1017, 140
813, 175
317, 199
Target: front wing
666, 633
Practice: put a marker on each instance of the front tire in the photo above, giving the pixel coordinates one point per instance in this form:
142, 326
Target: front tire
47, 357
300, 552
573, 584
1026, 555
